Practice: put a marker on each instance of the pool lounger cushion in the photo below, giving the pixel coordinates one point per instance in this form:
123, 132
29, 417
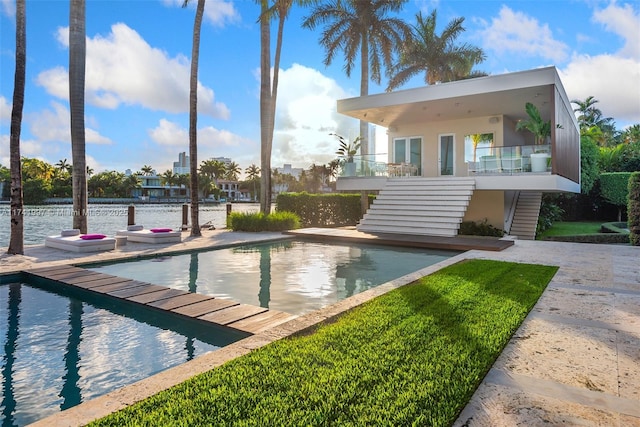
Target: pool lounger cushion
151, 236
76, 242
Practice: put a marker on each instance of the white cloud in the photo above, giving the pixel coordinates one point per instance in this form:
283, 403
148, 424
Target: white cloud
612, 80
54, 125
122, 68
5, 110
516, 33
625, 22
9, 8
173, 138
306, 114
28, 148
216, 12
169, 133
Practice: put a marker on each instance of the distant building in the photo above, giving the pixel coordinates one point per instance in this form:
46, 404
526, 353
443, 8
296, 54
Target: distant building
181, 167
287, 169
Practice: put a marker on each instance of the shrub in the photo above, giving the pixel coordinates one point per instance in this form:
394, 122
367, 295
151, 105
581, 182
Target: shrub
471, 228
633, 209
550, 212
322, 210
614, 188
278, 221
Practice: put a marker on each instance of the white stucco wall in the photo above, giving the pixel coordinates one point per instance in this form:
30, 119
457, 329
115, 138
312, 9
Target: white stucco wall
459, 128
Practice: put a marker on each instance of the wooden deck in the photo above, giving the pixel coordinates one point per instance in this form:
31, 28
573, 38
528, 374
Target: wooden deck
221, 312
351, 235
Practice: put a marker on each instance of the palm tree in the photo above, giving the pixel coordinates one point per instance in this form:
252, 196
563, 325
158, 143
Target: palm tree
361, 27
169, 178
589, 116
63, 165
269, 87
193, 117
232, 172
253, 174
77, 59
16, 240
439, 57
129, 184
146, 170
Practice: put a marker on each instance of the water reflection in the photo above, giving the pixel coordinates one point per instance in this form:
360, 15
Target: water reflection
60, 351
13, 332
296, 277
264, 296
71, 393
193, 272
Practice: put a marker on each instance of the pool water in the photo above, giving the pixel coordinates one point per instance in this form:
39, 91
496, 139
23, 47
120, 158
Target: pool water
292, 276
60, 350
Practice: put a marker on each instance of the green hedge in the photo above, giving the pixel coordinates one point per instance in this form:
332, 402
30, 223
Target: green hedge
323, 210
633, 209
277, 221
607, 238
614, 187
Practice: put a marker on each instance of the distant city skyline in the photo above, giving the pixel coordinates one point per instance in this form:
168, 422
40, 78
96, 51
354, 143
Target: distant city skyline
138, 58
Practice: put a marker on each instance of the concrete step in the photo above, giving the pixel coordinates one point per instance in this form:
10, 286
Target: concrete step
408, 230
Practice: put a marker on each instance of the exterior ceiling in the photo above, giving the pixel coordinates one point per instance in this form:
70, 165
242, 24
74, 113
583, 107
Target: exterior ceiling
504, 94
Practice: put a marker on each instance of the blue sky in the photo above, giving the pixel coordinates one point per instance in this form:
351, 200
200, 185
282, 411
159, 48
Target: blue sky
137, 78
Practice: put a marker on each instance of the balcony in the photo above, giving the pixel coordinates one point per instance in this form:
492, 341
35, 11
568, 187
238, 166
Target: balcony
520, 159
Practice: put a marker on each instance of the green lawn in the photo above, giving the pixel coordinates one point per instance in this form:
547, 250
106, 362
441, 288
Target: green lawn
572, 229
412, 356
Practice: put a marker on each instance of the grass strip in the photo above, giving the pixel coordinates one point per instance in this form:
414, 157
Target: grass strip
413, 356
560, 228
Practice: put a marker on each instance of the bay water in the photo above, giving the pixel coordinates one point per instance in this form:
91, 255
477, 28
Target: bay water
47, 220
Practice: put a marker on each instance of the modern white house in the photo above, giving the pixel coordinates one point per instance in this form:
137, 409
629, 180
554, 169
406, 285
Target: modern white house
454, 154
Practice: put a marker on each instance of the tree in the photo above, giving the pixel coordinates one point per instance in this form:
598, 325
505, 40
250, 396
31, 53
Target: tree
253, 175
63, 165
129, 184
361, 28
590, 117
438, 56
77, 59
16, 239
146, 170
169, 178
232, 172
193, 118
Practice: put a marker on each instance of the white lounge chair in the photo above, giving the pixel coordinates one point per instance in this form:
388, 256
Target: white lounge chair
137, 233
72, 240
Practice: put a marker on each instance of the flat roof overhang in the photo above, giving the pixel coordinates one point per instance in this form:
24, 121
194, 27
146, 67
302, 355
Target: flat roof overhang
504, 94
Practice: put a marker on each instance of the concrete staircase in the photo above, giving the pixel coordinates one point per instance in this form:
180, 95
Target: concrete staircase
525, 219
424, 206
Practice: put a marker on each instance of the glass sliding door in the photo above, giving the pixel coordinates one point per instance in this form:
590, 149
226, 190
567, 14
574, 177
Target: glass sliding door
446, 154
408, 151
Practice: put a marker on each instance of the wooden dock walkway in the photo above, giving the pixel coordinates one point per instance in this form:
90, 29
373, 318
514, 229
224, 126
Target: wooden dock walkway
218, 311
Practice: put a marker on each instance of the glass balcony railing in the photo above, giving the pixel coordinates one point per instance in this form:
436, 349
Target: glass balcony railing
511, 160
486, 161
360, 166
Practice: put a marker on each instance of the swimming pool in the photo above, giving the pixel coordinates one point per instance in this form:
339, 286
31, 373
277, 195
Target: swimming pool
61, 349
292, 276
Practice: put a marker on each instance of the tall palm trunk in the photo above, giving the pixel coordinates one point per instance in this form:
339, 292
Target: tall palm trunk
266, 113
77, 57
364, 90
16, 241
193, 121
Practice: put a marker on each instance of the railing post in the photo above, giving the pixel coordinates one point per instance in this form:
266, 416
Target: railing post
185, 216
131, 215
